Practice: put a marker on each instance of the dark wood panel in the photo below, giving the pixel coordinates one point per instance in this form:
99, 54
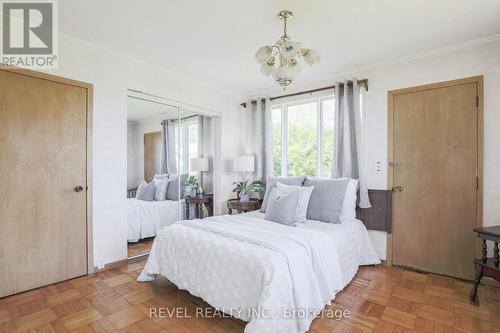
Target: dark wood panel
379, 216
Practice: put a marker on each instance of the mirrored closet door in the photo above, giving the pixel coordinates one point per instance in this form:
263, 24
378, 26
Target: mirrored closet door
152, 170
170, 171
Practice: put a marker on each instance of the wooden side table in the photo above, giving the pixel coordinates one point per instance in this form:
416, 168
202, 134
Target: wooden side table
243, 207
199, 200
487, 266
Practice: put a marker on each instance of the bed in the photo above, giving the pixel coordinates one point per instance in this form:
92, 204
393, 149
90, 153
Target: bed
293, 272
147, 218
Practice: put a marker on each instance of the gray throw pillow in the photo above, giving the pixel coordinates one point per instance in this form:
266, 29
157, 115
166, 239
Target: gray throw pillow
173, 186
271, 183
326, 199
145, 191
281, 208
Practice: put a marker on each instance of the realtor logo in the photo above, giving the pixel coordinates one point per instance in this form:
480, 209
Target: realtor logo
29, 34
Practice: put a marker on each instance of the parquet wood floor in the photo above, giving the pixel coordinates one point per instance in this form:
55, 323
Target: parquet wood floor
140, 247
381, 299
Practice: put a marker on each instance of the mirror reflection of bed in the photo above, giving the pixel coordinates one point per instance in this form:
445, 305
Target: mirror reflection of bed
163, 142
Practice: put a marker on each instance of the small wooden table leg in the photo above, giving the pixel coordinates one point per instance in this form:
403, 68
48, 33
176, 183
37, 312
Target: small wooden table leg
200, 211
210, 208
485, 250
479, 275
187, 217
496, 256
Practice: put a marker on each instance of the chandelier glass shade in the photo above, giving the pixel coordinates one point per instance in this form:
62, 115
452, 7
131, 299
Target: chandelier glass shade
281, 60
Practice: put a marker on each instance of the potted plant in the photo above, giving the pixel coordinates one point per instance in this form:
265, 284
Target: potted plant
243, 189
192, 186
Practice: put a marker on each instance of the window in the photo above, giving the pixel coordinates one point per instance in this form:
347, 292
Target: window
188, 147
328, 111
276, 119
303, 137
192, 140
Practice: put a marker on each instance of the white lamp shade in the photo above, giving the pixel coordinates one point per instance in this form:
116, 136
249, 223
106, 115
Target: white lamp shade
244, 164
199, 164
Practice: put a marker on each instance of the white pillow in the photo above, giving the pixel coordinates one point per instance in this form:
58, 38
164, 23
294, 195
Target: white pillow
303, 202
350, 200
161, 185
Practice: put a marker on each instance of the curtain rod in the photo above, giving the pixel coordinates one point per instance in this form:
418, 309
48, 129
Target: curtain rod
360, 82
187, 117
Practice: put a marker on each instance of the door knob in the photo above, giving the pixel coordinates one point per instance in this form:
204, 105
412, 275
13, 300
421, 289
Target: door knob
79, 188
398, 188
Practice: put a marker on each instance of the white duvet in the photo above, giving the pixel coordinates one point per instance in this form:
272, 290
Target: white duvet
273, 276
147, 218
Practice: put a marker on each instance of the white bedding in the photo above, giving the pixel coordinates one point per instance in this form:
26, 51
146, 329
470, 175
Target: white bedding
260, 271
147, 218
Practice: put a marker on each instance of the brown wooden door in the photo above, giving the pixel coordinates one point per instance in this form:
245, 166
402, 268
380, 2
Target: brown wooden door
43, 146
152, 155
435, 148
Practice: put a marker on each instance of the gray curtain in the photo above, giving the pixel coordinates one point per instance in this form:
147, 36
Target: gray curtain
258, 139
205, 149
168, 161
348, 138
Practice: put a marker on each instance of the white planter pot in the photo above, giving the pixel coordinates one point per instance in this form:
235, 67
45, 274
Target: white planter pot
244, 198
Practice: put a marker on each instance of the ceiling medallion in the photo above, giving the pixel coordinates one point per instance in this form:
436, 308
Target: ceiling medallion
281, 60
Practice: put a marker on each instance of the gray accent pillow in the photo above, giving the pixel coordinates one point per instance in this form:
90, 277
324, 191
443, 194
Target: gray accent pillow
281, 208
173, 186
145, 191
327, 198
271, 183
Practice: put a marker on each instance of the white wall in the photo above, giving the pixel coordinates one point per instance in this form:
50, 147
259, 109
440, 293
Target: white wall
442, 65
112, 74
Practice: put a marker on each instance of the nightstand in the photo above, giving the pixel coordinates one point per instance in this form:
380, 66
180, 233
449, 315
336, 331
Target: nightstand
243, 207
487, 266
199, 200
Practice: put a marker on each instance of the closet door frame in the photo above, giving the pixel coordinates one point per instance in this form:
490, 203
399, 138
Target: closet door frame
89, 88
478, 80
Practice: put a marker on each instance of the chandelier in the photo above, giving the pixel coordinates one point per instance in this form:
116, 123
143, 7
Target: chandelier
281, 60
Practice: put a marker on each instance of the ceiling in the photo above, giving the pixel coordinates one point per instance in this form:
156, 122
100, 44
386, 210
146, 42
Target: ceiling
215, 41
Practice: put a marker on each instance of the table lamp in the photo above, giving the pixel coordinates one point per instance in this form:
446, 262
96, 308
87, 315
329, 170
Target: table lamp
244, 163
199, 164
